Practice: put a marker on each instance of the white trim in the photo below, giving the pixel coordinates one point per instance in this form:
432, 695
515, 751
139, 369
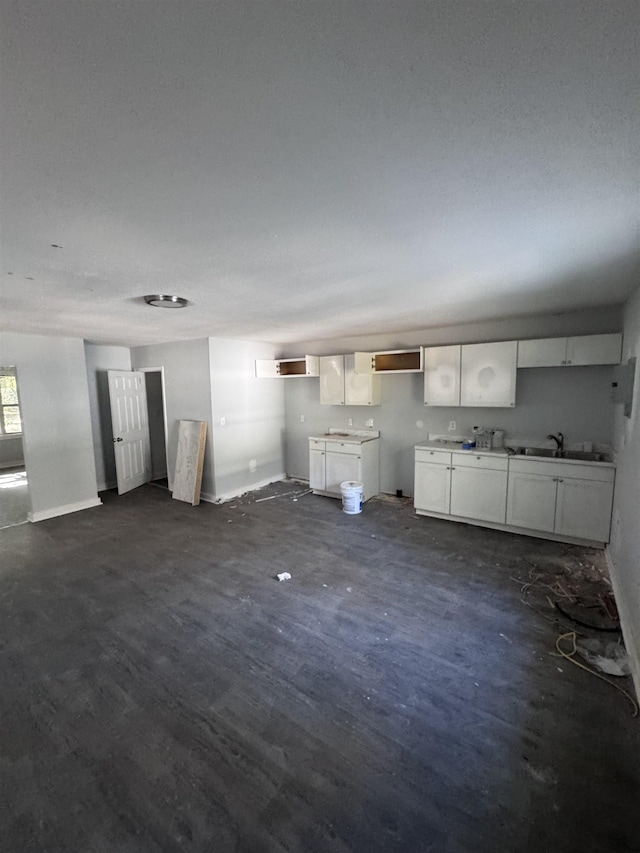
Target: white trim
508, 528
63, 510
220, 499
626, 623
7, 436
17, 463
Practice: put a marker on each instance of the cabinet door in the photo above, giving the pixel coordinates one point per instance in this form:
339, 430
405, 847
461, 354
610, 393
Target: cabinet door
332, 380
442, 376
544, 352
488, 374
531, 501
360, 389
479, 493
317, 469
267, 368
341, 467
594, 349
583, 509
432, 487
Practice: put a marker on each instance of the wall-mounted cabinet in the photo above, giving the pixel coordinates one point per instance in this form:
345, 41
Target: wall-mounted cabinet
578, 351
471, 375
284, 368
390, 361
340, 385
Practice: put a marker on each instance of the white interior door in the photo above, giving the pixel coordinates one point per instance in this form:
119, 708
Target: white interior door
130, 425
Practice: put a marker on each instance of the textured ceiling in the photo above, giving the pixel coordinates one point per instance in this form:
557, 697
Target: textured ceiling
314, 169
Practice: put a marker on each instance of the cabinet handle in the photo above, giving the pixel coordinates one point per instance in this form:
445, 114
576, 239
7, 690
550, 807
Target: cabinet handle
564, 361
555, 479
478, 457
448, 468
569, 362
560, 480
452, 468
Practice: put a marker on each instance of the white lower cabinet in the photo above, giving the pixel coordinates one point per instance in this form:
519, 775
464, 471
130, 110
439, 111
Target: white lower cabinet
531, 500
583, 509
563, 499
432, 488
478, 492
556, 497
317, 468
334, 462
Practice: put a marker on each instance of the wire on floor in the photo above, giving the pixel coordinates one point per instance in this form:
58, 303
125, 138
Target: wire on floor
570, 656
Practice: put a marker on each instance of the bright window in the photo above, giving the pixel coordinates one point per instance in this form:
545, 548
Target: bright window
10, 420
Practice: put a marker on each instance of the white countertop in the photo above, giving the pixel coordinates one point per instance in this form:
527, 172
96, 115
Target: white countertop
347, 436
456, 447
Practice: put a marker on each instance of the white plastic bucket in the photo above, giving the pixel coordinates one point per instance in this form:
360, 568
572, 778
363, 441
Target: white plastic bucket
352, 493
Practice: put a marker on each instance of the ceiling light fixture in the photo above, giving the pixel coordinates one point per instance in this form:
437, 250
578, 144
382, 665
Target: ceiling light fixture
160, 300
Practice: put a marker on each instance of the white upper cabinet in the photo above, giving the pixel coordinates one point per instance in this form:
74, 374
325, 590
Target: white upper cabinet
332, 380
442, 376
488, 374
282, 368
577, 351
471, 375
360, 389
544, 352
594, 349
340, 384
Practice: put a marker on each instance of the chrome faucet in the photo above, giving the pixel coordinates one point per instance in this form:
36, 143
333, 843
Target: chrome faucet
559, 440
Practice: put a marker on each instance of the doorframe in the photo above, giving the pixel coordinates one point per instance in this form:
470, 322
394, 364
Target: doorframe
160, 370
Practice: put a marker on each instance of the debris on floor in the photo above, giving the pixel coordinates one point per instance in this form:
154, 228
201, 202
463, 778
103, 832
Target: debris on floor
608, 656
284, 576
578, 590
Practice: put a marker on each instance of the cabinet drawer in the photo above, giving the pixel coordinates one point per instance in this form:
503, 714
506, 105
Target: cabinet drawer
469, 459
344, 447
438, 457
314, 444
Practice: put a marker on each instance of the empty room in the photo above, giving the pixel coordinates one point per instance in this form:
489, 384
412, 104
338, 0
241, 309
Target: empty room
319, 426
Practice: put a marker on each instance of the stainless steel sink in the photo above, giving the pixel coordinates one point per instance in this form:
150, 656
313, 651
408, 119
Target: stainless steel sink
553, 453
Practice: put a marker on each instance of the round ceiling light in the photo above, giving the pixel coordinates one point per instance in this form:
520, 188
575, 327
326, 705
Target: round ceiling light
160, 300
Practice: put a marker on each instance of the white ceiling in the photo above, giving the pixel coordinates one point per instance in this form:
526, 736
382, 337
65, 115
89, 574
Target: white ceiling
307, 170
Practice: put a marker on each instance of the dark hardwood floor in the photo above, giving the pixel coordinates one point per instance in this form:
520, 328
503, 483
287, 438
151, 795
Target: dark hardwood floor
161, 691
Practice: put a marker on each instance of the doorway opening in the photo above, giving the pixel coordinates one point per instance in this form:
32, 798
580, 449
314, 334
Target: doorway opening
154, 385
15, 504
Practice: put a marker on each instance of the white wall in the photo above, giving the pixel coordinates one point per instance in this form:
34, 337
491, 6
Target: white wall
11, 450
99, 359
575, 401
188, 395
624, 551
57, 435
254, 418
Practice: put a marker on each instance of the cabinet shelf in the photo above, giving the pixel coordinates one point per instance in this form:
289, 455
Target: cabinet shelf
284, 368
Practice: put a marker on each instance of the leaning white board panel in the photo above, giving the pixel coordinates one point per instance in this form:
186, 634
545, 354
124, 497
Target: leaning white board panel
189, 461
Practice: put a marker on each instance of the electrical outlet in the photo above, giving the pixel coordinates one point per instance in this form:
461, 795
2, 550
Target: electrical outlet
370, 422
350, 422
420, 424
301, 419
253, 465
223, 421
452, 426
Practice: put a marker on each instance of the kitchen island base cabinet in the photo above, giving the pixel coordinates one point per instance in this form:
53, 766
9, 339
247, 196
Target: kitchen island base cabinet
334, 462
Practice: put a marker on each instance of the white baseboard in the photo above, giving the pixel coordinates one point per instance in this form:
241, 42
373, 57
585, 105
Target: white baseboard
17, 463
55, 511
220, 499
626, 623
